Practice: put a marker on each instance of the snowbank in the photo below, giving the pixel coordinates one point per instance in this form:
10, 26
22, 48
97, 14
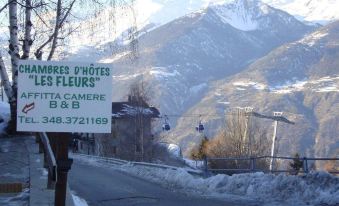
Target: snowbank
4, 114
314, 189
20, 199
196, 164
78, 201
318, 188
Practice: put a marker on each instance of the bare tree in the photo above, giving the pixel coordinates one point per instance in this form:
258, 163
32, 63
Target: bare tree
22, 32
139, 97
240, 137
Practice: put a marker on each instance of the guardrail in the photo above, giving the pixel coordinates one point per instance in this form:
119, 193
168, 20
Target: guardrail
253, 167
49, 159
146, 164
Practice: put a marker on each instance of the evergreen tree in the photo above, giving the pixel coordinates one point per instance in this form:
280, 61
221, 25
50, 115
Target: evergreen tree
297, 164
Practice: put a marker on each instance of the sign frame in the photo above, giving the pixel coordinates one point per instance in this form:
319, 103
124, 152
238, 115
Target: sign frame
62, 96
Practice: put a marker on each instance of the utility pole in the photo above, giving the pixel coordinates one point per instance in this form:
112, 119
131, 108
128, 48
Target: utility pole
274, 137
2, 91
248, 113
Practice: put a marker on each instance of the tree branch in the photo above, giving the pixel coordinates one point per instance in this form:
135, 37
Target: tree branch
30, 6
58, 25
56, 30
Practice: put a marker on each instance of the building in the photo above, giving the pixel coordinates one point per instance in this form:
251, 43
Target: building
131, 135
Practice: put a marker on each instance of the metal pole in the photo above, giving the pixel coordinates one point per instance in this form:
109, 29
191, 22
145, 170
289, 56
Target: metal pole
305, 165
248, 113
252, 167
87, 135
274, 137
205, 166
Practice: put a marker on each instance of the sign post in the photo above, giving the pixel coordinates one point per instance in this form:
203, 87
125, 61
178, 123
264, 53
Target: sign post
60, 98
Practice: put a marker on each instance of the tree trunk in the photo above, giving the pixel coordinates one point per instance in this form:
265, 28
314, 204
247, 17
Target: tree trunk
28, 27
5, 80
14, 52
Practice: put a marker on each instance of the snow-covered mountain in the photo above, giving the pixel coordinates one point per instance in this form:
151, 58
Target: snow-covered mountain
146, 15
183, 56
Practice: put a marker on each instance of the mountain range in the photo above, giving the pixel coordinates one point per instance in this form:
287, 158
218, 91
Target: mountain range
238, 54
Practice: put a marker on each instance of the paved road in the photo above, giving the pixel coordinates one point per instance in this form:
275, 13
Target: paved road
106, 187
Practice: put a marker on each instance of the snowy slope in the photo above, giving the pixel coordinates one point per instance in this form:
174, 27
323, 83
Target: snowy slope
320, 11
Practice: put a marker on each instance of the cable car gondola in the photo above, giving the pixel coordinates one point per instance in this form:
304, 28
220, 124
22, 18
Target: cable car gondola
166, 126
200, 128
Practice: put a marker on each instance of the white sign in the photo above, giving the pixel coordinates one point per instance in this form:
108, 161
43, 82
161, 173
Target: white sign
64, 97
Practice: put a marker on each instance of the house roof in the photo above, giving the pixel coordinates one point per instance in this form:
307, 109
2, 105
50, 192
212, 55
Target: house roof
127, 110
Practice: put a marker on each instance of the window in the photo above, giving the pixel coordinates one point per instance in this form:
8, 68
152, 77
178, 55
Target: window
114, 150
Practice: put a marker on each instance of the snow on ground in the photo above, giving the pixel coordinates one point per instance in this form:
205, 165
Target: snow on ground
4, 114
198, 88
314, 189
126, 77
321, 11
313, 38
318, 188
78, 201
19, 199
161, 72
116, 57
289, 87
223, 102
174, 150
245, 84
237, 15
323, 84
196, 164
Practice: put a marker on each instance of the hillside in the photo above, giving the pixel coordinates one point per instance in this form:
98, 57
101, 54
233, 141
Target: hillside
300, 78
